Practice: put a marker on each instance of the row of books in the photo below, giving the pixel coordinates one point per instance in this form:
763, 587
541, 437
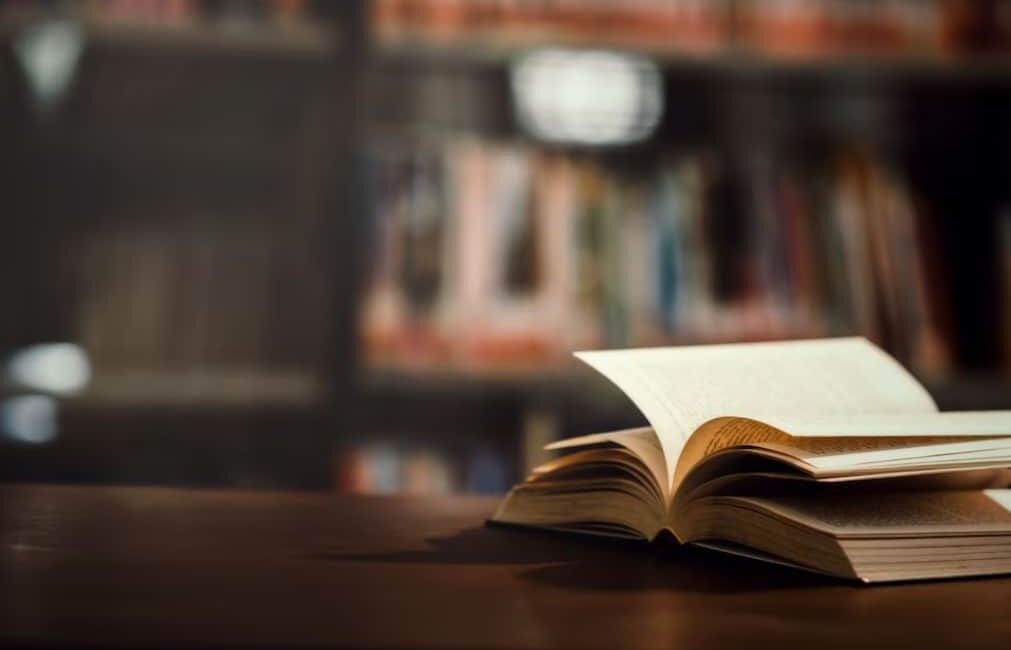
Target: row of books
780, 27
489, 256
382, 467
196, 295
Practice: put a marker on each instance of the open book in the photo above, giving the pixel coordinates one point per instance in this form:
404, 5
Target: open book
825, 454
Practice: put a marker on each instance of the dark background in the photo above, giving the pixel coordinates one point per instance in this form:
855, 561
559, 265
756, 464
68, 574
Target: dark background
203, 206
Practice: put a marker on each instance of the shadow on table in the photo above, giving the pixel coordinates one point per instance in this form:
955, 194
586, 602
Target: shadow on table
574, 562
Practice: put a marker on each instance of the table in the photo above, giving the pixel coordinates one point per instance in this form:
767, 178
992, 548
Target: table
154, 567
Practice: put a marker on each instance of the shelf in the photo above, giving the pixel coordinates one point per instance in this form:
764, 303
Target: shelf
732, 63
218, 388
294, 40
552, 378
300, 40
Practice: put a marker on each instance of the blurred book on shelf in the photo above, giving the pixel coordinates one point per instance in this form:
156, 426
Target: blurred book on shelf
171, 11
776, 28
385, 467
242, 26
196, 310
492, 257
699, 26
840, 27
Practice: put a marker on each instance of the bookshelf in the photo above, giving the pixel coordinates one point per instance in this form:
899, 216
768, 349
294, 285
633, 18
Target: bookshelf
188, 241
884, 111
241, 185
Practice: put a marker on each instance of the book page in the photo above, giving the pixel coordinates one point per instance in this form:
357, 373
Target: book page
642, 442
909, 513
894, 424
1000, 497
853, 441
680, 388
841, 453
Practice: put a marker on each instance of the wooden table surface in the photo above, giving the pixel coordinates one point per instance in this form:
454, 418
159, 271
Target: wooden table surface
150, 567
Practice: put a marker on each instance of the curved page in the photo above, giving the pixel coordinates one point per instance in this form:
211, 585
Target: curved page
680, 388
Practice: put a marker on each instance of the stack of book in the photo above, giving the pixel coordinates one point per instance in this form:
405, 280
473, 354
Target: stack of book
823, 454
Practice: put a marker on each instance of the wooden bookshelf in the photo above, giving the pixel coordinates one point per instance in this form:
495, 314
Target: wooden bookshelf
200, 153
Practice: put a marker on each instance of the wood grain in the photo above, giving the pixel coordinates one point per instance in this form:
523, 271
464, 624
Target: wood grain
151, 567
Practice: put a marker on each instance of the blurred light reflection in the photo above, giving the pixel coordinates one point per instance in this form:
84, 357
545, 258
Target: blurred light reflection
592, 97
49, 53
29, 418
58, 368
